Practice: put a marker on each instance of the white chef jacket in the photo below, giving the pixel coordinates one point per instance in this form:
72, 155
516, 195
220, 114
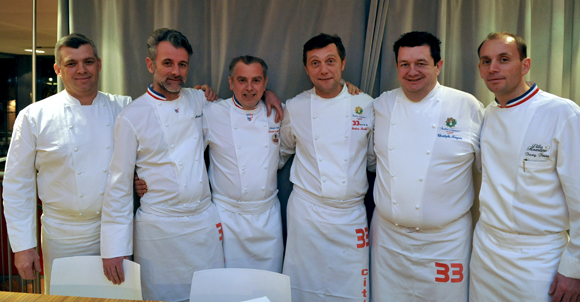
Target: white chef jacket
70, 146
176, 227
531, 159
424, 155
331, 139
244, 155
327, 253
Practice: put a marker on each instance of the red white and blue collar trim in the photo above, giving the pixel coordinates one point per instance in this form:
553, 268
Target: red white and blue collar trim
522, 98
237, 103
154, 94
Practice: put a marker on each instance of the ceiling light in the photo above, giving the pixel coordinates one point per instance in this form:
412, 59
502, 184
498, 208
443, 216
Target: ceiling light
37, 51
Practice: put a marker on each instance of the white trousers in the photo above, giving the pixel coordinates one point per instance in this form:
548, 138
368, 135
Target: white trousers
171, 248
513, 267
420, 265
327, 251
252, 233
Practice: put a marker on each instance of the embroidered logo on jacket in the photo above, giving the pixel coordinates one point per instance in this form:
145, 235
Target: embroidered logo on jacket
275, 138
250, 116
176, 110
358, 110
450, 122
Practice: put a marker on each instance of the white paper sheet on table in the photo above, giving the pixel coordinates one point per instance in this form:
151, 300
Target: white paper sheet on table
262, 299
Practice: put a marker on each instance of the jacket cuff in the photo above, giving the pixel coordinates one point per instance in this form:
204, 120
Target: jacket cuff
569, 266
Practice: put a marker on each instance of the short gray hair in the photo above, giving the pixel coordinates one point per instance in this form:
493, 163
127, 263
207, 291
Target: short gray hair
172, 36
75, 41
248, 60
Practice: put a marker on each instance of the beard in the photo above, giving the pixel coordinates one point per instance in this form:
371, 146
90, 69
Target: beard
164, 83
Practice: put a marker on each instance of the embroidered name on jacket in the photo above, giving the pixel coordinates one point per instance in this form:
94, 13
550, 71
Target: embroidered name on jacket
537, 151
450, 131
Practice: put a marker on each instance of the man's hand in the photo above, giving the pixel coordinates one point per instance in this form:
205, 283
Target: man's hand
272, 100
140, 186
564, 289
113, 269
28, 263
209, 94
351, 88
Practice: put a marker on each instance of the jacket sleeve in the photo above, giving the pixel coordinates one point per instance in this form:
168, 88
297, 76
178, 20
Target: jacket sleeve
19, 185
117, 213
567, 166
287, 139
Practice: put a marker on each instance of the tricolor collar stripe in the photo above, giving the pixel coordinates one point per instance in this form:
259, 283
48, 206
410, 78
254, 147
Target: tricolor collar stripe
522, 98
237, 103
154, 94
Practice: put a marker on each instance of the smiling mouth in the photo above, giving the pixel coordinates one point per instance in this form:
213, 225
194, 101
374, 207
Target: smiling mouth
249, 96
414, 80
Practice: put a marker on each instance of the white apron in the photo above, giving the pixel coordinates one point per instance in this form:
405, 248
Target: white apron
169, 257
513, 267
324, 268
252, 233
424, 265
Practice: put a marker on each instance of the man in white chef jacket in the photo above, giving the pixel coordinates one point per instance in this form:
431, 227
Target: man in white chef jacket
63, 144
329, 130
177, 228
426, 140
530, 193
244, 153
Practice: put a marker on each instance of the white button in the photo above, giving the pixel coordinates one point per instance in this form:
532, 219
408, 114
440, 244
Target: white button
196, 158
391, 149
265, 125
191, 116
324, 179
265, 146
200, 181
81, 214
394, 202
199, 201
314, 117
239, 147
397, 101
417, 207
70, 127
107, 147
171, 145
437, 102
245, 189
158, 104
243, 168
392, 175
346, 115
195, 137
102, 193
346, 136
98, 212
265, 167
433, 126
263, 188
76, 149
345, 159
428, 152
392, 124
185, 186
82, 195
418, 228
316, 137
396, 224
107, 124
79, 173
235, 127
103, 105
180, 163
105, 170
67, 106
420, 179
320, 159
344, 181
166, 125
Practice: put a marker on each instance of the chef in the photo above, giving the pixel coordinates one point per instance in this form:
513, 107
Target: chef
426, 140
63, 144
530, 194
329, 130
244, 154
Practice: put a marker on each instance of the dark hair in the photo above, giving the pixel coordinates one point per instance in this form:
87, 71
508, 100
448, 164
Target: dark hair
248, 60
520, 43
172, 36
419, 38
73, 40
322, 41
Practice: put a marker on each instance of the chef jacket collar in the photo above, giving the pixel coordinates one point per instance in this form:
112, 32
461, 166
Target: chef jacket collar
239, 106
154, 94
341, 94
522, 98
71, 100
